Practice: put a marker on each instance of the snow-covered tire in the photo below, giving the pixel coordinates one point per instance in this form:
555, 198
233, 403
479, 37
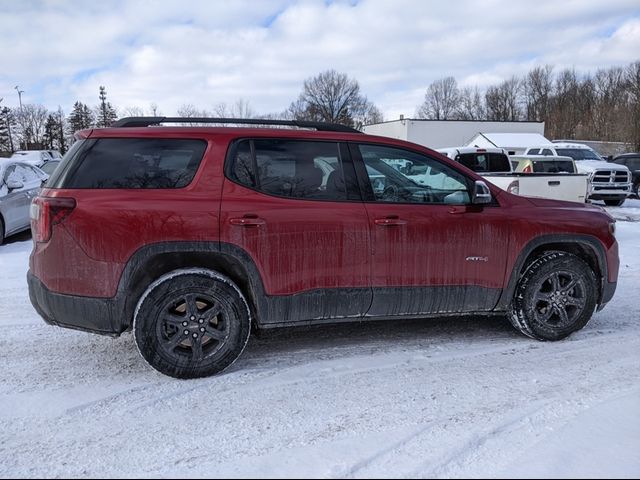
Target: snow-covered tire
555, 296
191, 323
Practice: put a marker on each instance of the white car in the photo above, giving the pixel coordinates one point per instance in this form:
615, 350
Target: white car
19, 183
608, 181
36, 157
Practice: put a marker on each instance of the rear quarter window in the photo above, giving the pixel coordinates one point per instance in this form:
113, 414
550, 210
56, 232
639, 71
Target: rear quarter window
131, 163
560, 166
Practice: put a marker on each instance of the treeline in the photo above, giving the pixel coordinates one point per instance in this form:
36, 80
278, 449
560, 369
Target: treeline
604, 106
32, 126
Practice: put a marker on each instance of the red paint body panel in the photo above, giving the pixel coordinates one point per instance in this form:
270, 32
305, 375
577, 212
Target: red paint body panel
302, 245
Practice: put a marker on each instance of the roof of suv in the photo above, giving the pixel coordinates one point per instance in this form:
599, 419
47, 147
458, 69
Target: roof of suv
151, 121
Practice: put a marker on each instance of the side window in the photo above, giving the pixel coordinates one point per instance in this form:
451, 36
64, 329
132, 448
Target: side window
546, 151
499, 162
425, 180
534, 151
9, 174
32, 177
478, 162
290, 168
20, 174
136, 163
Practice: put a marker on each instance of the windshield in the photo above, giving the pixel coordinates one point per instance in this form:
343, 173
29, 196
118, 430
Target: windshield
578, 153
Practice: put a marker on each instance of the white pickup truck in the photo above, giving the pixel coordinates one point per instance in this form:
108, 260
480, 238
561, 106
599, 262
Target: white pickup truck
532, 177
609, 182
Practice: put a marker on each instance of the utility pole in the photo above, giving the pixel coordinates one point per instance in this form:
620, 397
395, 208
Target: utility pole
20, 92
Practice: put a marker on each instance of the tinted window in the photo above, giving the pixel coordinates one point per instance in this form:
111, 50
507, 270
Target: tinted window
290, 168
552, 166
578, 153
485, 162
533, 151
401, 176
134, 163
50, 166
633, 163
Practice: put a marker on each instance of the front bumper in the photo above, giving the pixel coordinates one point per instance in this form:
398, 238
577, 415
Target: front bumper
95, 315
608, 191
608, 290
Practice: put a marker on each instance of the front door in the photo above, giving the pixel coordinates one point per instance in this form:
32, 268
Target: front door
432, 251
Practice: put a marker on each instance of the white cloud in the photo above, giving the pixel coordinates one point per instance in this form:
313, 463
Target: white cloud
207, 52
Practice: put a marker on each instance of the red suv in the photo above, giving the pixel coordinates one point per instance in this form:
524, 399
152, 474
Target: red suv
191, 235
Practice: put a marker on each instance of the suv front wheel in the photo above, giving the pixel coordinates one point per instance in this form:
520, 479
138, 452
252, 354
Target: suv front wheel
555, 296
191, 323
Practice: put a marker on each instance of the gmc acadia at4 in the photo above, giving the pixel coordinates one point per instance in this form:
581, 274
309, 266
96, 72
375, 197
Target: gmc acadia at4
190, 236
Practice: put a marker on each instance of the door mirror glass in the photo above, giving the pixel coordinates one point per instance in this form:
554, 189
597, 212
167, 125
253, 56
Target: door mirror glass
481, 193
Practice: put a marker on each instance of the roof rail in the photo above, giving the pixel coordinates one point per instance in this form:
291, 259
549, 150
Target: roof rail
148, 121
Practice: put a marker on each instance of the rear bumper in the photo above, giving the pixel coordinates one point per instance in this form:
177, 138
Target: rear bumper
89, 314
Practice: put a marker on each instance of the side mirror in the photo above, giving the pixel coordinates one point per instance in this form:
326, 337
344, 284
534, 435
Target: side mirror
14, 184
481, 193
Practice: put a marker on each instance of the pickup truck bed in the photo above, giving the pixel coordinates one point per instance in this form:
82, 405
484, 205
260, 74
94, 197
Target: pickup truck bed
559, 186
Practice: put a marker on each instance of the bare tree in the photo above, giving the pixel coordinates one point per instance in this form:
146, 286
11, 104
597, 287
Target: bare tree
565, 113
441, 100
332, 97
502, 101
609, 111
632, 78
154, 110
191, 111
133, 112
241, 108
538, 88
470, 105
32, 119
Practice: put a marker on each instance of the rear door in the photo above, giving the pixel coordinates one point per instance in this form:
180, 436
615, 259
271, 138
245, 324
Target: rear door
293, 206
432, 251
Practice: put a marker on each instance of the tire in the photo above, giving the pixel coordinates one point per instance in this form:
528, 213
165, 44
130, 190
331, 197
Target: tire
191, 323
555, 296
1, 231
636, 189
614, 203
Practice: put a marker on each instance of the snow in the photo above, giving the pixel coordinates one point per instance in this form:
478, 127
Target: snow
509, 140
465, 397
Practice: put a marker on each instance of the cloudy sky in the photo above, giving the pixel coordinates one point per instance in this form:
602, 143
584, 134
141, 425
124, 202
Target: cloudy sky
205, 52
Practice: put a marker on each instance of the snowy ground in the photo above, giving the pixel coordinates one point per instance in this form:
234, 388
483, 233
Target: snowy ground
445, 398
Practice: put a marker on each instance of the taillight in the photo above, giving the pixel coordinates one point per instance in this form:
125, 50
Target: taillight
527, 169
46, 212
514, 187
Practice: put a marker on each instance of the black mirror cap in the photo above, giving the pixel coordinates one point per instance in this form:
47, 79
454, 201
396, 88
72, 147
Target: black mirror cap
481, 193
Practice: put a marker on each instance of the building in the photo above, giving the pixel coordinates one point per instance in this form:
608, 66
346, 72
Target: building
447, 133
513, 143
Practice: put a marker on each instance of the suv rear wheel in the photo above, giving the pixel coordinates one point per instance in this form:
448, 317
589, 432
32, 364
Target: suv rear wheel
191, 323
555, 297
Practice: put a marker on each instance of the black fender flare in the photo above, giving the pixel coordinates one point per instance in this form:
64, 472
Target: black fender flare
554, 239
